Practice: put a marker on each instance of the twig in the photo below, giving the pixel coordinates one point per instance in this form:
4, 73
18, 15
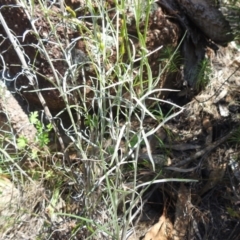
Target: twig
205, 150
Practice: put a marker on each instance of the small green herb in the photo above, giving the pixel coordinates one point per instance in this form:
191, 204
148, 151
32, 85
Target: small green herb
22, 142
42, 137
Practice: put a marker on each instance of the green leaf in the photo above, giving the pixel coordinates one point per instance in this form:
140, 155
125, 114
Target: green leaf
34, 154
34, 117
22, 142
133, 140
49, 127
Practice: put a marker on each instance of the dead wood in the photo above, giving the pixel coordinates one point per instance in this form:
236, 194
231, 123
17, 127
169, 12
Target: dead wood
13, 117
182, 214
207, 17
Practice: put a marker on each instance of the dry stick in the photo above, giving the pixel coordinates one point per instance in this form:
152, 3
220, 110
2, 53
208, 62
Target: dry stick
31, 77
203, 151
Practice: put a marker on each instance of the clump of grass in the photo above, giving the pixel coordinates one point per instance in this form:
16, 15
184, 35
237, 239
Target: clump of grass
99, 176
172, 58
204, 73
235, 138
